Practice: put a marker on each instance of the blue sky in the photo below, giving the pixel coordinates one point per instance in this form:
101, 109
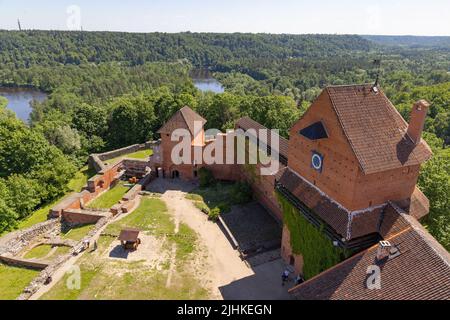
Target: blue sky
413, 17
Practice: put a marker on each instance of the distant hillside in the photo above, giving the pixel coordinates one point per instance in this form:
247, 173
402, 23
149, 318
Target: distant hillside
25, 48
411, 41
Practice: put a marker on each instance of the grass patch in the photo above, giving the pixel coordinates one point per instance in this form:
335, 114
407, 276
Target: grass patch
75, 185
141, 154
214, 196
109, 198
60, 251
60, 290
219, 197
77, 233
185, 239
38, 252
13, 280
151, 215
106, 279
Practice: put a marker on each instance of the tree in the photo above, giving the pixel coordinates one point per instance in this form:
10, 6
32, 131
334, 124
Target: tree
90, 120
222, 111
8, 216
23, 194
434, 181
131, 120
3, 102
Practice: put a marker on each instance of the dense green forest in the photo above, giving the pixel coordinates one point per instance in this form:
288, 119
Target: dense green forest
108, 90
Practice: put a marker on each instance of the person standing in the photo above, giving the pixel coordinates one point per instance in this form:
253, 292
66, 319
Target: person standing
284, 277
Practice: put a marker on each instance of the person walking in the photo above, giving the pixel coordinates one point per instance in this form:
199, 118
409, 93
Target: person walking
284, 277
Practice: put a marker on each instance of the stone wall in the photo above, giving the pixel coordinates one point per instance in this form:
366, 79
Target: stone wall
96, 160
26, 263
41, 279
136, 168
23, 238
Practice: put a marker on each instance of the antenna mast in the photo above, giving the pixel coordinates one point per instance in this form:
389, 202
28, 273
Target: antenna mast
377, 64
18, 23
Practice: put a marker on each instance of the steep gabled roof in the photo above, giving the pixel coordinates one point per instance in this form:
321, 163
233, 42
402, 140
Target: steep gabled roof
419, 270
183, 118
375, 130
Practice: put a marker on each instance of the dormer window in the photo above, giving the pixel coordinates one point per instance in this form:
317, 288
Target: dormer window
315, 131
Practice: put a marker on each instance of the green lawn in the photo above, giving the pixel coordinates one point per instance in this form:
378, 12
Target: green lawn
151, 215
141, 154
38, 252
218, 195
61, 250
13, 280
103, 278
109, 198
77, 233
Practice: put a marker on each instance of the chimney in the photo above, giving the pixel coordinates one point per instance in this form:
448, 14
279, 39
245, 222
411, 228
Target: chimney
417, 120
384, 247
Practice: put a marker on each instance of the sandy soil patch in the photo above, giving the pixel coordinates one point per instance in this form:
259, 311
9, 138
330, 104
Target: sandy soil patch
150, 252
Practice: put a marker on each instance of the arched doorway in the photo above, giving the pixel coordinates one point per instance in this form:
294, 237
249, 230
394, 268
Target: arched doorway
175, 174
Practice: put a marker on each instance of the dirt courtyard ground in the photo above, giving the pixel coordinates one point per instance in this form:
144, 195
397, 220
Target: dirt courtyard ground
227, 275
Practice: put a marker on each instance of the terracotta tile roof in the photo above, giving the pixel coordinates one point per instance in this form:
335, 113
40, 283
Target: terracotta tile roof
417, 205
183, 118
392, 221
246, 123
365, 222
329, 211
375, 129
420, 271
350, 224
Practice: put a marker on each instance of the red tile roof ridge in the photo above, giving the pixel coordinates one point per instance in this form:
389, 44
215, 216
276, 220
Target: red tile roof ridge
440, 251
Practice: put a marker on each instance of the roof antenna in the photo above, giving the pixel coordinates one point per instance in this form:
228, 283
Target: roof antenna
377, 64
18, 23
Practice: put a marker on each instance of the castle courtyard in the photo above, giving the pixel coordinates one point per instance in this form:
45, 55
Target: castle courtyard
183, 255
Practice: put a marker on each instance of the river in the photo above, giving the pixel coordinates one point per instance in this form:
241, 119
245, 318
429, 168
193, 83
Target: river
204, 81
19, 100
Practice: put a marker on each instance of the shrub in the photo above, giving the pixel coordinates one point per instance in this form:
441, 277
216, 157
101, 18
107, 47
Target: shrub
224, 207
202, 206
195, 197
241, 193
214, 214
206, 178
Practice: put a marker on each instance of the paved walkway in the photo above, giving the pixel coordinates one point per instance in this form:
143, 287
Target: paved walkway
230, 277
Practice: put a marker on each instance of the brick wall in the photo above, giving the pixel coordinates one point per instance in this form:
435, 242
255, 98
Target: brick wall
76, 217
295, 260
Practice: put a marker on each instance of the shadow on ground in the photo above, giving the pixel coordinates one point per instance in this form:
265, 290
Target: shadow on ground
254, 229
165, 184
119, 252
264, 284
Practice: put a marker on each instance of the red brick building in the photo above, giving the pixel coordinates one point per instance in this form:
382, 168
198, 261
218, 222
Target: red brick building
350, 166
